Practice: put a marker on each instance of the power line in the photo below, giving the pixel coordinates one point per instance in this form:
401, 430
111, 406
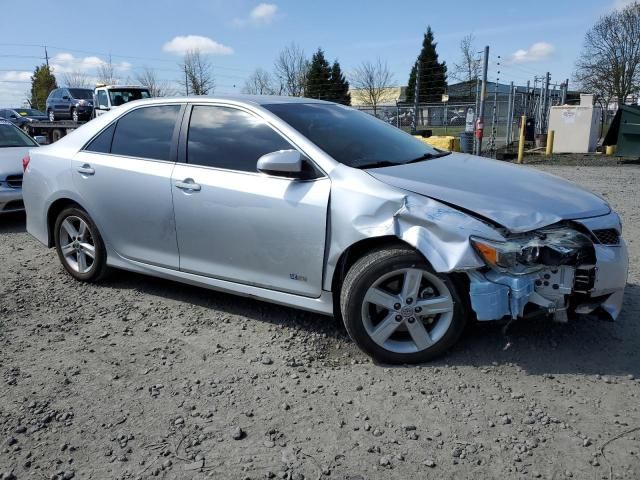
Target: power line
87, 52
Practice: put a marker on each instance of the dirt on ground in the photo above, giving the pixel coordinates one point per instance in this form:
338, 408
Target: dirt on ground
138, 377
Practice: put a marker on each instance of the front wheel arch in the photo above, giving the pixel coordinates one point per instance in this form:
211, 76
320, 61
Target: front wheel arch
355, 252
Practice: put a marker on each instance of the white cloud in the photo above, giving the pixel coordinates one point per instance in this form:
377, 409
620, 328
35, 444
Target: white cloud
183, 44
16, 76
620, 4
536, 52
66, 62
14, 88
262, 14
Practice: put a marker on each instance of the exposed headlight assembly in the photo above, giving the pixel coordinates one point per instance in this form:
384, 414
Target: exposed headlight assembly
528, 253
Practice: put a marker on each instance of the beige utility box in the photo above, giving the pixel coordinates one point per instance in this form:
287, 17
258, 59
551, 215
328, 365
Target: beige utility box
577, 127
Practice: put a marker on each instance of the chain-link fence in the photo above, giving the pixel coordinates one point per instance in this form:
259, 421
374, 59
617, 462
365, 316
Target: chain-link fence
503, 112
439, 118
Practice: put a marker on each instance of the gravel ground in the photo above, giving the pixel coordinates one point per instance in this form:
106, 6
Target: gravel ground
144, 378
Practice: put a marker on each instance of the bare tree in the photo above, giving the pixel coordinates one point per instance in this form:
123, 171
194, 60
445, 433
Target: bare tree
372, 82
259, 83
107, 73
76, 79
468, 68
198, 73
609, 64
291, 68
148, 77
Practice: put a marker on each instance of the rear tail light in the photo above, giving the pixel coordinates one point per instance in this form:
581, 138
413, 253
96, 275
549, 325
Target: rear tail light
25, 162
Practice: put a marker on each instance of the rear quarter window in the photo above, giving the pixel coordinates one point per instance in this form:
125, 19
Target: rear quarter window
146, 132
102, 142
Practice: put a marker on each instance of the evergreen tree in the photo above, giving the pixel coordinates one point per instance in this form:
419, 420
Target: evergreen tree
319, 78
433, 74
340, 93
42, 82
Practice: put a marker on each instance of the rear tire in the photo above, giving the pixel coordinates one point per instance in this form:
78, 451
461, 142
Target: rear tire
56, 135
79, 245
398, 309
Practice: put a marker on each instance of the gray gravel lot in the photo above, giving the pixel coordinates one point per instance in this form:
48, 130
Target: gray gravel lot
144, 378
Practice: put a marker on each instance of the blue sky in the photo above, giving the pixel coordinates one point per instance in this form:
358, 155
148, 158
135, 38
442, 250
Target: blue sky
241, 35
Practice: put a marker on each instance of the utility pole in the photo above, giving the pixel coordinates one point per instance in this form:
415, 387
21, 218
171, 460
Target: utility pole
545, 112
46, 56
483, 93
494, 116
416, 94
186, 81
509, 114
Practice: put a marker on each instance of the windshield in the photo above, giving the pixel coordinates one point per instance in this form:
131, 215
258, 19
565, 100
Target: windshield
11, 136
123, 95
29, 112
352, 137
81, 93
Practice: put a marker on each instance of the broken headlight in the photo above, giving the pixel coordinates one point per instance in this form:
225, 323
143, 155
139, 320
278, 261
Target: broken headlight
530, 252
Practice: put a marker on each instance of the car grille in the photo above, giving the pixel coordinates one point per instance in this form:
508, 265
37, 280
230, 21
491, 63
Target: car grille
607, 236
14, 181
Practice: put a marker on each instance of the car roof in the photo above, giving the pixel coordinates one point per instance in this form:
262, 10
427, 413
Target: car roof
247, 99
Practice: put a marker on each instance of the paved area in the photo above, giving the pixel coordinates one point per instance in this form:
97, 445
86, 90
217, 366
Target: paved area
144, 378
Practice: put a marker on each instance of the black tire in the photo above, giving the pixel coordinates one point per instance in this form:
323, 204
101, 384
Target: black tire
74, 115
98, 268
56, 134
52, 115
362, 276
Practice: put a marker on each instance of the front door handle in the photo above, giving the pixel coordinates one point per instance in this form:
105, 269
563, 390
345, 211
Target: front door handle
86, 169
188, 184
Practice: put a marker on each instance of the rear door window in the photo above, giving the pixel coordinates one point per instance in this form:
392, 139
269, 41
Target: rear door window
146, 132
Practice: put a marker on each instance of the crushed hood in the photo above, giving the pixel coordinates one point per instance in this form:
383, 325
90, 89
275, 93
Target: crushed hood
515, 197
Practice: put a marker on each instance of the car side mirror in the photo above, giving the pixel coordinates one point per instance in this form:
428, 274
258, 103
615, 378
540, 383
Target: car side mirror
283, 163
65, 97
41, 139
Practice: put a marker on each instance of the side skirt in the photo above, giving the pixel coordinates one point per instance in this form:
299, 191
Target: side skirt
322, 305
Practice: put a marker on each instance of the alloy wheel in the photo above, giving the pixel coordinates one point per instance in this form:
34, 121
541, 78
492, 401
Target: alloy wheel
77, 244
407, 310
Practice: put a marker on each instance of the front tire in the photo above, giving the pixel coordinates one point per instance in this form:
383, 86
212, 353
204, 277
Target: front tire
52, 115
74, 115
79, 245
398, 309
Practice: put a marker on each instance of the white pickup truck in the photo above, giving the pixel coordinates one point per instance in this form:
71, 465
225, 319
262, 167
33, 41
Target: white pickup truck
107, 97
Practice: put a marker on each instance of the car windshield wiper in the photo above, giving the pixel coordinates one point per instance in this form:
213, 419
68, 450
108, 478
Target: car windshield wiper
428, 156
379, 164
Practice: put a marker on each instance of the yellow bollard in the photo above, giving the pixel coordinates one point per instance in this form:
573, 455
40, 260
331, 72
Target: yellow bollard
611, 150
523, 123
550, 143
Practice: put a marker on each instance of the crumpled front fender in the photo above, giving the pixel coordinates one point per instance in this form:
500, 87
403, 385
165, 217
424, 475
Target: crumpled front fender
441, 233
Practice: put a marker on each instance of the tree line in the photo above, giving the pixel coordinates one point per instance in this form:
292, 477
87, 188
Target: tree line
609, 66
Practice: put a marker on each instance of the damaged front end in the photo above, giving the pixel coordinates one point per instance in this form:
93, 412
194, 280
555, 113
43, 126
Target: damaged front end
557, 270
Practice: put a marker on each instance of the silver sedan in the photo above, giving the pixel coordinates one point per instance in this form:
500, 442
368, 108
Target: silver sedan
321, 207
14, 146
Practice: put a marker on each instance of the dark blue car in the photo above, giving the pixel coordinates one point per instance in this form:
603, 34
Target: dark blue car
70, 103
22, 117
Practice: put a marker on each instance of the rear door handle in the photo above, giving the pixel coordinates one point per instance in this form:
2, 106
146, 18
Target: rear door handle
188, 184
86, 169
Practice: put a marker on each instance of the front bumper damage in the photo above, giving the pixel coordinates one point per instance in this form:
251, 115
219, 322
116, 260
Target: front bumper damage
596, 287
